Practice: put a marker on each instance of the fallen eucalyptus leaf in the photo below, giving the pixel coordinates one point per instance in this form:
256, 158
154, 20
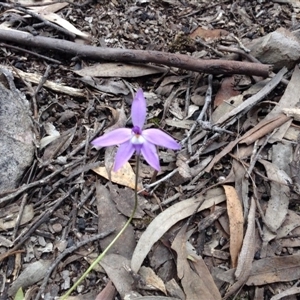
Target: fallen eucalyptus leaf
33, 273
165, 220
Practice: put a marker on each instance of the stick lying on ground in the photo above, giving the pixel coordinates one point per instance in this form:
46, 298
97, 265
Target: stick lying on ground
181, 61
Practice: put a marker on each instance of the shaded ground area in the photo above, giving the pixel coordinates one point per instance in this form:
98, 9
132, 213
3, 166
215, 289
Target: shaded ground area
221, 218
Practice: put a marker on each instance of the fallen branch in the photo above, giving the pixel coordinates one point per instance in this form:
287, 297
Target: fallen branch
181, 61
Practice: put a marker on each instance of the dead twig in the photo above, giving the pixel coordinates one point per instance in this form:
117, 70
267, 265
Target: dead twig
181, 61
43, 218
40, 182
204, 109
55, 61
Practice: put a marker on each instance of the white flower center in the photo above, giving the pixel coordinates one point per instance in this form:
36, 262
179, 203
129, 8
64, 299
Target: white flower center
137, 139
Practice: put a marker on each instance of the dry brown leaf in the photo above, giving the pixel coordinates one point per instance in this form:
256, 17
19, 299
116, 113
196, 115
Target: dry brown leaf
125, 176
119, 70
251, 101
282, 155
226, 107
292, 112
202, 270
241, 182
191, 281
289, 100
113, 264
226, 91
33, 273
57, 87
57, 19
48, 8
291, 222
90, 295
208, 34
27, 216
124, 200
246, 254
263, 128
243, 269
109, 85
31, 2
278, 203
236, 222
59, 145
108, 293
183, 168
275, 269
152, 279
165, 220
185, 124
109, 217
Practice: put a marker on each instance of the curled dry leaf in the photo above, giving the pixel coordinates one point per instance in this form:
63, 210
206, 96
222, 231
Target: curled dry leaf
236, 222
52, 135
165, 220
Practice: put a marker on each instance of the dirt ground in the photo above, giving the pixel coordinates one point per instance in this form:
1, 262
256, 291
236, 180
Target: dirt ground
220, 220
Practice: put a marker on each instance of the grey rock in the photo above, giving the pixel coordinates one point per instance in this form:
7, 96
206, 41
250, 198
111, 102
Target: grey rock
279, 48
16, 134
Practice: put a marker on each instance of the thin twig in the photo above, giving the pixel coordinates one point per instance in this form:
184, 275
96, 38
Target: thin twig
52, 60
43, 181
203, 111
20, 214
42, 219
256, 155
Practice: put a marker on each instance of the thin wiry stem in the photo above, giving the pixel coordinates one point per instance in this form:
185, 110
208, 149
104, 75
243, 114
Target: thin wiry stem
99, 258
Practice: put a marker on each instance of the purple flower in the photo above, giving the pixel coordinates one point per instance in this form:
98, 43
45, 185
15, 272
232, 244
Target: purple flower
136, 139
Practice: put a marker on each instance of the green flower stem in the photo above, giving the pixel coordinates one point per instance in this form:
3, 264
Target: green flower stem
98, 259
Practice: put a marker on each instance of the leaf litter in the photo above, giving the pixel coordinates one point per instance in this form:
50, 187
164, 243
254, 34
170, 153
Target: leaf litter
221, 218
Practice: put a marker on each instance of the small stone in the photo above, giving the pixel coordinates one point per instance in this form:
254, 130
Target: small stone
57, 227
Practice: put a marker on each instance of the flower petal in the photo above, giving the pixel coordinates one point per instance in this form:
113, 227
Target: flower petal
124, 152
115, 137
139, 109
158, 137
150, 154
